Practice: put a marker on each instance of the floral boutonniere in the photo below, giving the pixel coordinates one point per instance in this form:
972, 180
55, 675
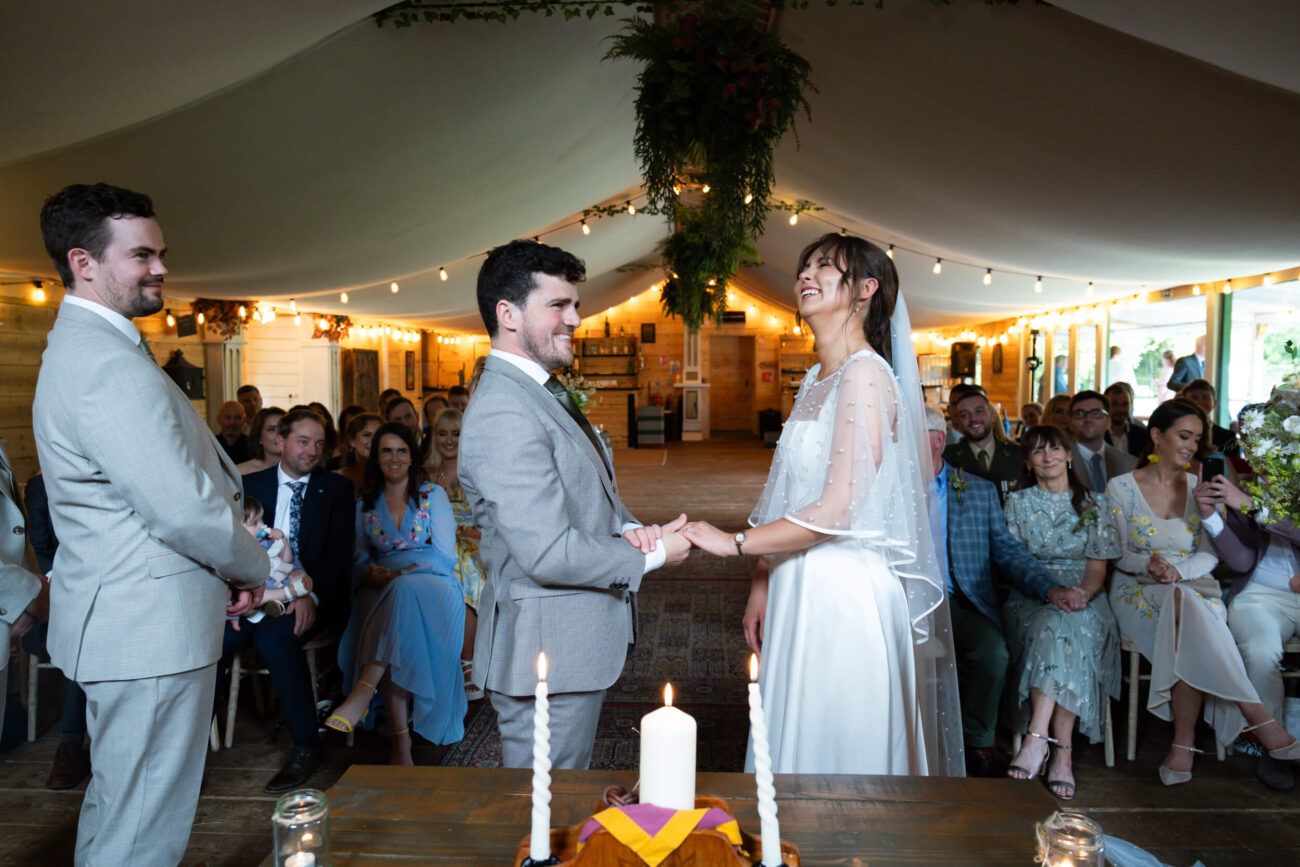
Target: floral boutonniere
1087, 519
957, 479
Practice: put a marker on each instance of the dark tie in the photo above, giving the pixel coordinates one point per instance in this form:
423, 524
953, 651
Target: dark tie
295, 513
984, 462
555, 387
144, 347
1098, 474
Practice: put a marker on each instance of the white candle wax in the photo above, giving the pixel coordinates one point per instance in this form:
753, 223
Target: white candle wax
769, 829
539, 842
300, 859
668, 757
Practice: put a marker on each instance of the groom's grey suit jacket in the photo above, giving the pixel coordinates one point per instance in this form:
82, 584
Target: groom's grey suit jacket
560, 578
146, 506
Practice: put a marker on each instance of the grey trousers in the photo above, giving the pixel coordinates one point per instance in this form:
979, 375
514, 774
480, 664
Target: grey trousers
148, 743
573, 728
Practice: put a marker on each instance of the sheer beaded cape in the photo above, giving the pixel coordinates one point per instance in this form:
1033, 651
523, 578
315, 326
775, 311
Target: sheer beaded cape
865, 475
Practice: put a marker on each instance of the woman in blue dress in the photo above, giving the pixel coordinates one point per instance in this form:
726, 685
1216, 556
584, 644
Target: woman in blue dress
408, 619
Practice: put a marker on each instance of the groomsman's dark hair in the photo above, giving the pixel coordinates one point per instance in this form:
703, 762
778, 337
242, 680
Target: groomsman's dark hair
507, 275
77, 216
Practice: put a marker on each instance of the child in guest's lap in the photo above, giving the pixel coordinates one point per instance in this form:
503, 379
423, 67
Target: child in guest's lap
284, 583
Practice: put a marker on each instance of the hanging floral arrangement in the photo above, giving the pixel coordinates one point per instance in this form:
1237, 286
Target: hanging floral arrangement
225, 318
332, 327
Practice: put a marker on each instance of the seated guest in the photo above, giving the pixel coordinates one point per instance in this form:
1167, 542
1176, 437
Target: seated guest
1124, 434
1263, 604
984, 449
1167, 603
1095, 461
230, 433
251, 400
458, 397
402, 411
433, 404
955, 394
1057, 414
314, 508
71, 758
384, 397
968, 517
1065, 665
1201, 393
441, 464
340, 453
331, 435
358, 437
408, 617
263, 443
1031, 415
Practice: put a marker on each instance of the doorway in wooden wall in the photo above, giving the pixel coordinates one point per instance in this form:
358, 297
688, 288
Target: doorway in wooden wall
731, 381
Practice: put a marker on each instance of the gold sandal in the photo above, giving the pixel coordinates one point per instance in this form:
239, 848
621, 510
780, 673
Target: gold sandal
340, 723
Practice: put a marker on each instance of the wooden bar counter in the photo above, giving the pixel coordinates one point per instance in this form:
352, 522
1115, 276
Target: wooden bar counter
384, 815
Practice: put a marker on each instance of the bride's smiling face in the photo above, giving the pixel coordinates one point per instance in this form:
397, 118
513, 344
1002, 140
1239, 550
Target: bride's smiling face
820, 290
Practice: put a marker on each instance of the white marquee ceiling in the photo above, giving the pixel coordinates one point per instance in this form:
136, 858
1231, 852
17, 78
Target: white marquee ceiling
293, 149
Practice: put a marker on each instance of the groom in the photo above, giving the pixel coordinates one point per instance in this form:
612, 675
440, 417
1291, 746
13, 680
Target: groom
564, 557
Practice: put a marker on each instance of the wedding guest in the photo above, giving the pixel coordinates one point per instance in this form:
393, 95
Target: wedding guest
433, 404
1117, 368
340, 454
402, 411
441, 464
1031, 415
358, 437
1161, 383
1167, 602
968, 518
1060, 375
984, 450
955, 394
71, 757
1201, 393
24, 593
476, 374
264, 442
1263, 603
1095, 461
385, 396
251, 400
407, 626
230, 424
1065, 664
1057, 413
331, 434
458, 397
1124, 434
1189, 367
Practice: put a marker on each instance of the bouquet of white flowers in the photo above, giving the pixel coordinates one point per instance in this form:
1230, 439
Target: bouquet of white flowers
1270, 439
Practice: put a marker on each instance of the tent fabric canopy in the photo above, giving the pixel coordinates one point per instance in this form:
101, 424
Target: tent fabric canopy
296, 150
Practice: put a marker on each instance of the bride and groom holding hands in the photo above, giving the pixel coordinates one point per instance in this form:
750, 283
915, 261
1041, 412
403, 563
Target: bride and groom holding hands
853, 614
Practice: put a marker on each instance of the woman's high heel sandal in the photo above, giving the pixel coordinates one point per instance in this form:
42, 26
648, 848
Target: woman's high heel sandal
1018, 772
472, 692
1288, 753
340, 723
1062, 789
1171, 777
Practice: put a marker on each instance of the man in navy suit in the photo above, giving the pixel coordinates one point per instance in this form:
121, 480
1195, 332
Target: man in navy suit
315, 509
968, 517
1189, 367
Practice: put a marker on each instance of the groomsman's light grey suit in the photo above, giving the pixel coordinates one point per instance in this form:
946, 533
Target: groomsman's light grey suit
147, 509
19, 583
560, 578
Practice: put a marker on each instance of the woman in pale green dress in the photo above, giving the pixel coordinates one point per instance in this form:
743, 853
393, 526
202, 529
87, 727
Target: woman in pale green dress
441, 464
1065, 665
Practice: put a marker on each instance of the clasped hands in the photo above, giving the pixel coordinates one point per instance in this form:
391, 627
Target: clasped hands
679, 537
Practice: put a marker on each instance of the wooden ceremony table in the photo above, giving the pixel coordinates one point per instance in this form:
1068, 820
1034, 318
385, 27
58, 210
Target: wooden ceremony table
384, 815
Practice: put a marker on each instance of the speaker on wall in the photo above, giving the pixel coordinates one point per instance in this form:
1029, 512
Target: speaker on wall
962, 360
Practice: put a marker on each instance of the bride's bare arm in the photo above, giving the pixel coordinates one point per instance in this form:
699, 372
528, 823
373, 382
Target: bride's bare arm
779, 537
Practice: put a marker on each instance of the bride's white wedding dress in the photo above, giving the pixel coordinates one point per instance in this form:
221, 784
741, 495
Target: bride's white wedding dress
851, 643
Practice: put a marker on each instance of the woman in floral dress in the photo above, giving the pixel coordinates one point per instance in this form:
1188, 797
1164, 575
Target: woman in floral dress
1167, 602
407, 624
1067, 661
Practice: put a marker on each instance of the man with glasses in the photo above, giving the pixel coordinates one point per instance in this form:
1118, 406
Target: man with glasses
1094, 461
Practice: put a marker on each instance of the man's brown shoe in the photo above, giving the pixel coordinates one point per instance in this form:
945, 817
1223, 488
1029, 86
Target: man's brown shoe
71, 766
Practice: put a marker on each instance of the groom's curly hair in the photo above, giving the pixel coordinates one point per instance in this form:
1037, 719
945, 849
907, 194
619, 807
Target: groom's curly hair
507, 275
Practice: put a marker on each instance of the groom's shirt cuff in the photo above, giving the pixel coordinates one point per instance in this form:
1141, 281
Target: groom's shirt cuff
655, 558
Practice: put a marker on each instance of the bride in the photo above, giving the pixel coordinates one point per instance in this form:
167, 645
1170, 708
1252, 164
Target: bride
857, 671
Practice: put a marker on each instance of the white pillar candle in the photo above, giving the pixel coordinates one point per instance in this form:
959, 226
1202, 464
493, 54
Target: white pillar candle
539, 843
769, 830
668, 756
300, 859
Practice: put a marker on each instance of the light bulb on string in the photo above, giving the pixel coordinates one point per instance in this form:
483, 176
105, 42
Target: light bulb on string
199, 317
938, 266
631, 208
586, 230
794, 219
171, 320
1196, 290
1091, 288
1038, 285
442, 274
704, 189
889, 252
293, 307
38, 291
749, 197
243, 312
257, 315
343, 297
388, 330
988, 276
269, 315
393, 287
297, 319
1227, 287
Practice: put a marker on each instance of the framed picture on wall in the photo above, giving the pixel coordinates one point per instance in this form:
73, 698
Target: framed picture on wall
648, 332
410, 371
997, 358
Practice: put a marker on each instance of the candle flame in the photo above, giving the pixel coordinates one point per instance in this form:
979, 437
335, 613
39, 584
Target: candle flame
668, 695
541, 666
753, 666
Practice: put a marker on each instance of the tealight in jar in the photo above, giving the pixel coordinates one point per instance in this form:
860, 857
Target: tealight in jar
301, 829
1070, 840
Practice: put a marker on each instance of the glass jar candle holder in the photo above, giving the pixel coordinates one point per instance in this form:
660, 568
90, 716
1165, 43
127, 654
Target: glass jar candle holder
300, 827
1070, 839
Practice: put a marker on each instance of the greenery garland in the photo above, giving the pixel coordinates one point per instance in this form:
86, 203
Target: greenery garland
224, 317
330, 326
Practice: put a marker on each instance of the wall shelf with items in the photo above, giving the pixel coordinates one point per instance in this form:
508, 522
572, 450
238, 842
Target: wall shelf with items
608, 362
797, 358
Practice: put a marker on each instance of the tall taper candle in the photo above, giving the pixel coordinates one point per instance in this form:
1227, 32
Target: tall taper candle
769, 830
539, 843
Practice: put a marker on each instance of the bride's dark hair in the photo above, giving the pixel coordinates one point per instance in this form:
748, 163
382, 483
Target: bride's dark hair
858, 259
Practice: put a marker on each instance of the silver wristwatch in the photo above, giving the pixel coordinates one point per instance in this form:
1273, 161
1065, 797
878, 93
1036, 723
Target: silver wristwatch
740, 540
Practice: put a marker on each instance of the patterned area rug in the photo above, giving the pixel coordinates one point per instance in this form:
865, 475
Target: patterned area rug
690, 636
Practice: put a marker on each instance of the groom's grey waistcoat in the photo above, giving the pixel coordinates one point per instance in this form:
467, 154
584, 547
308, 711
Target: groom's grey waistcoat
560, 578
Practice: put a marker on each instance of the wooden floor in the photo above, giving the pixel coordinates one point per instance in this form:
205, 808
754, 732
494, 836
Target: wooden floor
1223, 817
